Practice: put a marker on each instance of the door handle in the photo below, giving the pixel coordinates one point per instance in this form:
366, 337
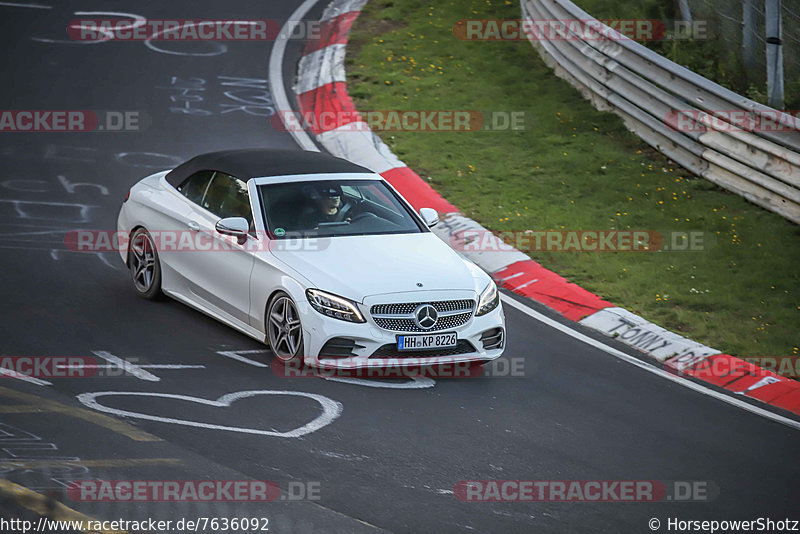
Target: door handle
193, 226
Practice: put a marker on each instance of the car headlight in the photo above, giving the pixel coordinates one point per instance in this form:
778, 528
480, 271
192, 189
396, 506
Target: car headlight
489, 300
334, 306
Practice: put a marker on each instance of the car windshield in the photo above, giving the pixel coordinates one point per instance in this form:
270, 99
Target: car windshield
333, 208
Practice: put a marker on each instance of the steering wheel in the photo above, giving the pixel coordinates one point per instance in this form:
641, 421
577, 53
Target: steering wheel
362, 215
341, 215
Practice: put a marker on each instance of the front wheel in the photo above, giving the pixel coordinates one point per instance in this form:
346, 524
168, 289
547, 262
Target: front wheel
284, 331
144, 265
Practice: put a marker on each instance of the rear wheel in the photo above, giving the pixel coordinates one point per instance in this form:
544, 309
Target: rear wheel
144, 265
284, 331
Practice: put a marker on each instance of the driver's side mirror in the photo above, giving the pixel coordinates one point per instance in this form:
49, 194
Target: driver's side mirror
430, 216
238, 227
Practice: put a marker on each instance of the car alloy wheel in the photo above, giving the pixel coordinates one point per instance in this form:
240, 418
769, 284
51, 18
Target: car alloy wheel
284, 329
144, 265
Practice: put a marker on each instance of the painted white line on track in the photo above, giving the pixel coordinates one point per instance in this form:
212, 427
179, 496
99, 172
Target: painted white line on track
276, 86
648, 367
415, 382
330, 410
170, 366
25, 378
526, 284
126, 366
147, 366
237, 355
19, 4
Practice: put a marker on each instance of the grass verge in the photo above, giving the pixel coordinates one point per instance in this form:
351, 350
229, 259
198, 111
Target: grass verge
575, 168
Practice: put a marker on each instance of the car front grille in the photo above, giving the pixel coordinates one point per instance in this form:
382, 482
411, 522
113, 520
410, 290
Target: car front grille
399, 317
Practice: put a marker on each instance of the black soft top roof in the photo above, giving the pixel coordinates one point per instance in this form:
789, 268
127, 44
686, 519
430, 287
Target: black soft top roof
257, 162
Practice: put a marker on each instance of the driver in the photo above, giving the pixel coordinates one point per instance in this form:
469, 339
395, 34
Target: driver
326, 207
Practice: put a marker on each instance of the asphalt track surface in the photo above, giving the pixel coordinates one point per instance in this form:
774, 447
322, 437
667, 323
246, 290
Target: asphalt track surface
392, 457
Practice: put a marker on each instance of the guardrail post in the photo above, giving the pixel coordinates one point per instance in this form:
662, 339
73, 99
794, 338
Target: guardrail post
772, 11
749, 38
686, 13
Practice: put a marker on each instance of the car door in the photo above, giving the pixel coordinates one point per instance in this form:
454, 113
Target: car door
175, 211
221, 267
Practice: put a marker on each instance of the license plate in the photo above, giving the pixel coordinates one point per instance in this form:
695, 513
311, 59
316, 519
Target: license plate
427, 341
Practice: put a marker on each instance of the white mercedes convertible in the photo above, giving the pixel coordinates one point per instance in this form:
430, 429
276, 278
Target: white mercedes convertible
317, 257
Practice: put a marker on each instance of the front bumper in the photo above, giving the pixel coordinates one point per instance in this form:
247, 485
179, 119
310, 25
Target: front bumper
366, 345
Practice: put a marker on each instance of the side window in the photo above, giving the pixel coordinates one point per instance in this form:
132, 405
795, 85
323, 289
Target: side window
375, 194
352, 191
227, 196
194, 187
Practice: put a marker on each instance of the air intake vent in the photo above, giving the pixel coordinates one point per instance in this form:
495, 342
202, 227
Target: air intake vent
492, 339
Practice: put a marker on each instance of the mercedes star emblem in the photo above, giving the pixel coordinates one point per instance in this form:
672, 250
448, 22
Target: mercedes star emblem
426, 316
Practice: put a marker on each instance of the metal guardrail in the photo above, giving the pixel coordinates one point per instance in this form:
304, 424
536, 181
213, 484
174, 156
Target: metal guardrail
653, 95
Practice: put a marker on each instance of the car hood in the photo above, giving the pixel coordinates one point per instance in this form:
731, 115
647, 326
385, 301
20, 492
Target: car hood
357, 267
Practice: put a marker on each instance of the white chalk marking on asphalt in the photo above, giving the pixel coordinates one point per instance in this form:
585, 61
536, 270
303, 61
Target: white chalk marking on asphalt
31, 379
147, 366
126, 366
276, 85
330, 410
41, 232
102, 257
416, 382
648, 367
32, 6
171, 366
237, 355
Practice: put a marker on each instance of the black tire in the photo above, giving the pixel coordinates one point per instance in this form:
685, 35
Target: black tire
144, 265
284, 329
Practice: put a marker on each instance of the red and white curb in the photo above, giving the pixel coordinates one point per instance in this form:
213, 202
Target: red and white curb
321, 88
645, 336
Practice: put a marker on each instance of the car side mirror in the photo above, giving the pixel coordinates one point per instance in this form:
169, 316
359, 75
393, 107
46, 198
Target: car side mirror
430, 216
238, 227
